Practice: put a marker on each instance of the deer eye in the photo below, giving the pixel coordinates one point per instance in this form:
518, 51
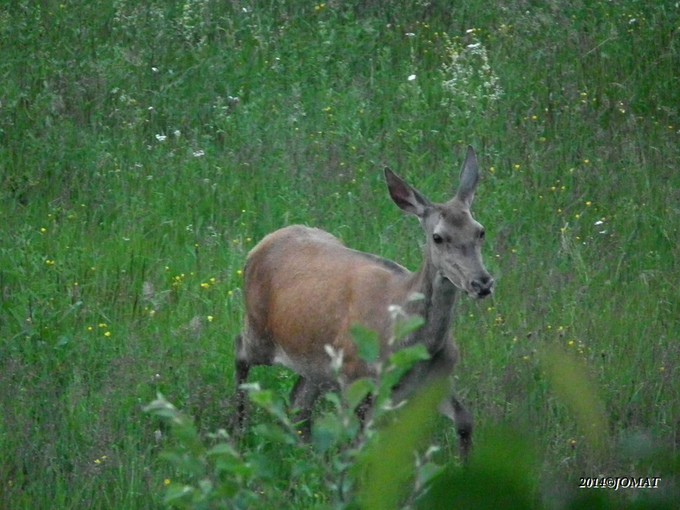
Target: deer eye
437, 238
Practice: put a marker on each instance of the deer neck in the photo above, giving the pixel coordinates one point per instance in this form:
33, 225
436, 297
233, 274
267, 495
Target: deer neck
439, 296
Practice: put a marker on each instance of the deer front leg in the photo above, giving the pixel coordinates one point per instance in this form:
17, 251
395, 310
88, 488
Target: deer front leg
463, 421
443, 363
302, 397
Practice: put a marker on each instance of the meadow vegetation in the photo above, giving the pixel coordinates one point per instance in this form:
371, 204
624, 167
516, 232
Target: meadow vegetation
145, 147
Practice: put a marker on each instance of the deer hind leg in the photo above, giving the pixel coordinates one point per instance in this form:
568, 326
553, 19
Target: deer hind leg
464, 424
242, 370
251, 350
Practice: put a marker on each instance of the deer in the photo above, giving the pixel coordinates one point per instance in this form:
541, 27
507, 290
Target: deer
304, 290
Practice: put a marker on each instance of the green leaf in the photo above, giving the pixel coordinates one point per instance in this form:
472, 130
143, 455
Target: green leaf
227, 489
387, 466
187, 463
274, 434
327, 432
428, 472
357, 392
263, 398
233, 467
271, 403
222, 449
206, 486
409, 356
162, 408
502, 473
333, 398
227, 460
407, 325
188, 436
367, 342
176, 493
401, 362
63, 341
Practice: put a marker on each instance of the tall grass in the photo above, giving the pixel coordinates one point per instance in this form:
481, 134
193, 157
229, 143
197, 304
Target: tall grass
146, 147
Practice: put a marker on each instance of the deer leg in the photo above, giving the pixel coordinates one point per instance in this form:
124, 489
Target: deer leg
464, 427
242, 369
464, 424
297, 388
303, 396
364, 410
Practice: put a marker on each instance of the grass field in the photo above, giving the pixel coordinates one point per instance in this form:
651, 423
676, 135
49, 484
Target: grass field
145, 147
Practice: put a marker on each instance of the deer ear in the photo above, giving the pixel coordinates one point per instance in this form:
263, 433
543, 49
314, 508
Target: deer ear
405, 196
469, 178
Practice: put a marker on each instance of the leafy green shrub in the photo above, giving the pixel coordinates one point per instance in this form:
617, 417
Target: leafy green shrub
392, 462
218, 474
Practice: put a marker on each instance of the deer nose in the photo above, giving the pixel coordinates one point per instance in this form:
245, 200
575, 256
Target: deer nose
482, 286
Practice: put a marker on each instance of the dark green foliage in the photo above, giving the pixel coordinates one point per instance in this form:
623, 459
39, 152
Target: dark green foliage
145, 147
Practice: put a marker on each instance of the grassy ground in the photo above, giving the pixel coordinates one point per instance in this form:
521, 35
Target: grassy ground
146, 147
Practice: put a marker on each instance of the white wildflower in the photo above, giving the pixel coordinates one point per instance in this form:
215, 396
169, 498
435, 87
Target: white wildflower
470, 84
